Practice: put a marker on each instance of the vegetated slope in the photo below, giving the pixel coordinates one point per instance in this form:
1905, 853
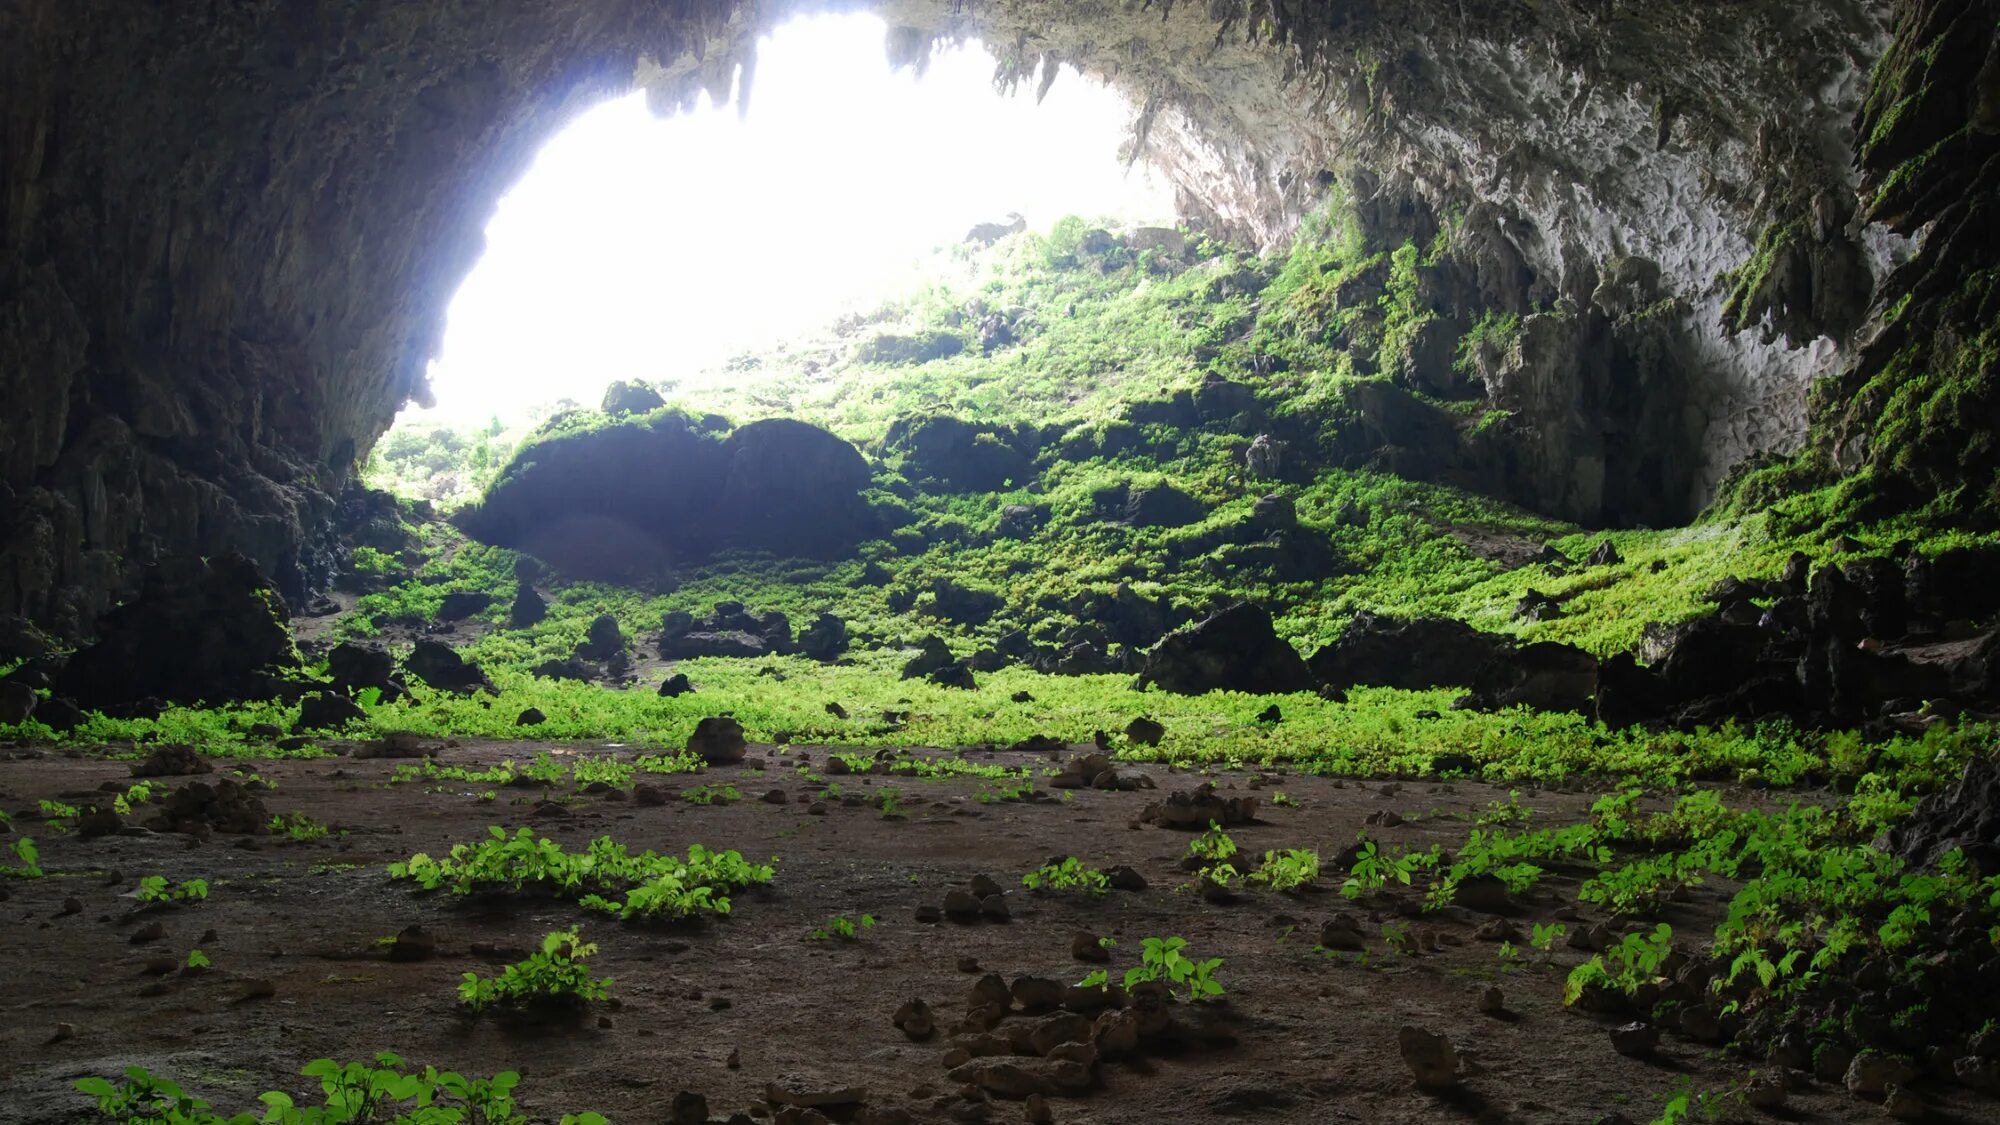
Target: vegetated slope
1075, 436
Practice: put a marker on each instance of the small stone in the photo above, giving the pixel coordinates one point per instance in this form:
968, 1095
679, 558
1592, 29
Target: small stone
983, 886
63, 1031
604, 1023
689, 1108
1765, 1091
70, 906
1903, 1104
1123, 878
1036, 1111
914, 1020
1635, 1040
1036, 994
1492, 1002
774, 797
817, 808
413, 943
968, 965
929, 915
1087, 947
257, 988
532, 717
1342, 932
961, 906
151, 931
1432, 1060
1497, 929
994, 907
719, 1004
735, 1059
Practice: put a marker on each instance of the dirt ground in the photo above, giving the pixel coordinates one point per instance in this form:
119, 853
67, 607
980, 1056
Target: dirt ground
1315, 1037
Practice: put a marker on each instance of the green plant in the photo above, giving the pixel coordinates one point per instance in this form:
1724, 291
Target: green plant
841, 928
1212, 845
711, 794
651, 885
154, 889
1287, 870
1161, 959
1070, 874
1633, 961
24, 850
196, 959
299, 826
554, 977
357, 1093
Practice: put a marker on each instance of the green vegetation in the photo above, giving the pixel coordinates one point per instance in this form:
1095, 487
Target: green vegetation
356, 1093
604, 877
1069, 875
841, 928
1162, 959
156, 889
553, 978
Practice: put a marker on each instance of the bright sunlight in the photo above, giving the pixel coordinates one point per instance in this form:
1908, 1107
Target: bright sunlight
645, 248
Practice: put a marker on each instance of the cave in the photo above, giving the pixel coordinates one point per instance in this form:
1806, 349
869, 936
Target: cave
1580, 412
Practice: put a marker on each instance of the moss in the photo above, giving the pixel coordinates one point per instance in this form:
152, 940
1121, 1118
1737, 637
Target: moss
1749, 294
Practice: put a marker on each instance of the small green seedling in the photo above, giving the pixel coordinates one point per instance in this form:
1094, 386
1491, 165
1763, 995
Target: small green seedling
840, 928
155, 889
1070, 874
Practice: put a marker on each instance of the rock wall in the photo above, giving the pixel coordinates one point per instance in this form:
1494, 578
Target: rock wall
229, 228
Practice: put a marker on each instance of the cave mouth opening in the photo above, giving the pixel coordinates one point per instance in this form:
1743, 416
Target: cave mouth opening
649, 248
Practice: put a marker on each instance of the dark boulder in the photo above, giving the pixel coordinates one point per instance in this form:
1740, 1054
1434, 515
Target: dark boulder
676, 686
687, 646
439, 666
200, 630
954, 675
461, 604
564, 670
964, 605
1161, 505
959, 455
529, 608
1235, 650
326, 710
1021, 521
626, 397
1964, 816
718, 740
1604, 554
604, 642
355, 668
825, 639
641, 492
21, 640
17, 702
932, 656
1431, 652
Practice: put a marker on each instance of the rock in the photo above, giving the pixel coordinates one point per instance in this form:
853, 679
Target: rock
807, 1094
825, 639
914, 1020
327, 711
1963, 816
461, 604
1492, 1002
718, 740
200, 630
1438, 652
1087, 947
1235, 650
532, 717
1342, 932
954, 675
1871, 1073
529, 608
688, 1108
958, 455
568, 669
675, 686
1903, 1104
604, 642
961, 906
994, 907
17, 702
1143, 731
151, 931
1035, 995
774, 797
1036, 1111
775, 485
171, 761
984, 885
1635, 1039
1161, 505
932, 656
1765, 1091
1432, 1061
438, 665
1604, 554
413, 943
1123, 878
1195, 809
1498, 929
1484, 893
633, 397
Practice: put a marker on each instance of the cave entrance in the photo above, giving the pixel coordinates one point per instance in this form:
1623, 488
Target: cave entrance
651, 248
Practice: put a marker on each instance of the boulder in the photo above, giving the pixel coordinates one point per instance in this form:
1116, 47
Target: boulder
675, 686
1965, 816
634, 494
1429, 652
825, 639
1235, 650
932, 656
17, 702
21, 640
604, 642
630, 397
719, 740
959, 455
529, 608
1161, 505
326, 710
688, 646
438, 665
200, 630
461, 604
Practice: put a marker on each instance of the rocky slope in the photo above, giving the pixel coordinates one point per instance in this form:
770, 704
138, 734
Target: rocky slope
228, 228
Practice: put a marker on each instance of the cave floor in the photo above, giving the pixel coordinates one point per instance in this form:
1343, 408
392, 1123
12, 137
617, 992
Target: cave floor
1315, 1035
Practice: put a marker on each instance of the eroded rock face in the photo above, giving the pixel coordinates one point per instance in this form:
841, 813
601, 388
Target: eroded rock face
228, 231
1235, 650
200, 630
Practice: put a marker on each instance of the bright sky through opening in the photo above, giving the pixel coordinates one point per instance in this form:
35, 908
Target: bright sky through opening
648, 248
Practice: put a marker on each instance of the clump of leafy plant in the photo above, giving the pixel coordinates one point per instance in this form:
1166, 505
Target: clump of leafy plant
156, 889
1635, 960
357, 1093
299, 826
1287, 869
1163, 959
1212, 845
1069, 874
604, 877
1373, 868
841, 928
552, 979
31, 866
711, 795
